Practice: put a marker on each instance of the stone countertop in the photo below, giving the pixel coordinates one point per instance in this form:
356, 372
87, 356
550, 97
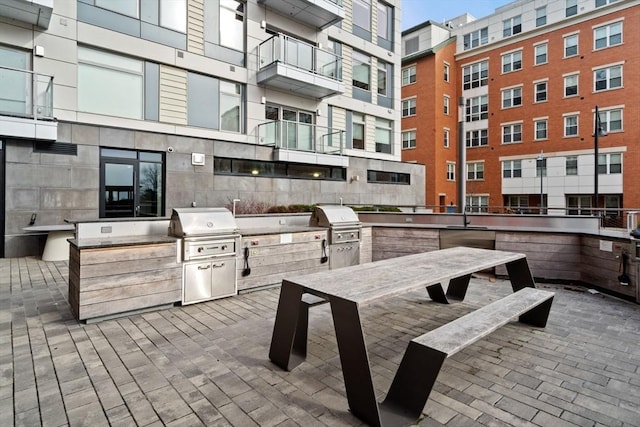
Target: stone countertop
109, 242
261, 231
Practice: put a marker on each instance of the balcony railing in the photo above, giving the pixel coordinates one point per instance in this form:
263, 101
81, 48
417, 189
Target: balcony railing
302, 137
301, 55
26, 94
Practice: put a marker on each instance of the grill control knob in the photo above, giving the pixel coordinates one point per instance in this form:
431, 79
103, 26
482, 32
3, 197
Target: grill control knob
224, 247
200, 249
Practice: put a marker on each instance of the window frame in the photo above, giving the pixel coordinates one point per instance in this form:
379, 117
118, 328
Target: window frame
605, 119
511, 61
511, 97
358, 59
411, 77
570, 8
407, 143
537, 55
541, 19
608, 35
537, 130
446, 137
479, 69
476, 38
512, 171
446, 102
569, 168
410, 111
566, 40
537, 91
512, 26
451, 171
567, 126
566, 87
511, 133
608, 78
475, 171
476, 138
477, 108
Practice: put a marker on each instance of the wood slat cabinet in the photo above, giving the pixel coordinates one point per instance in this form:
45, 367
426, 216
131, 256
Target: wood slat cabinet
109, 279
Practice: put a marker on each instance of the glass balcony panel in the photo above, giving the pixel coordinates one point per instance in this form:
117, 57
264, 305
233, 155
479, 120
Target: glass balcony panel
17, 97
300, 136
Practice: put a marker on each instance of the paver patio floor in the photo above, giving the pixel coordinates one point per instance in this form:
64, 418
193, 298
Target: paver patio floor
207, 363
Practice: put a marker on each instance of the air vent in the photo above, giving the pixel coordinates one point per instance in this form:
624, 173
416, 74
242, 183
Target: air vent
55, 148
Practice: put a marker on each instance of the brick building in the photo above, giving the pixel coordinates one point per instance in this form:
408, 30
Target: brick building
531, 76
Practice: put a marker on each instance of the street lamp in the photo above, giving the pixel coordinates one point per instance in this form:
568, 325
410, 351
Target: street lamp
597, 132
540, 160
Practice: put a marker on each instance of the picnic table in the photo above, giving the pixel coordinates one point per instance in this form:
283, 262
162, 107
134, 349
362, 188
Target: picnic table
445, 274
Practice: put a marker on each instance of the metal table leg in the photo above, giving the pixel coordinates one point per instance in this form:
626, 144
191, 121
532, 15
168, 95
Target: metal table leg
285, 351
355, 361
520, 275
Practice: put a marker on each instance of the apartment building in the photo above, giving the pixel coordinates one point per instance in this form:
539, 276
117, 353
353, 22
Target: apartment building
132, 108
532, 76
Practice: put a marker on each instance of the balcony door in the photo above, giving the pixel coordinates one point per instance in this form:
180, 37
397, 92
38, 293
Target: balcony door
131, 184
296, 131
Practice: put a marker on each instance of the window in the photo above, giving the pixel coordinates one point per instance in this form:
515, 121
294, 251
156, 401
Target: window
446, 105
512, 26
518, 204
477, 203
571, 165
477, 108
17, 87
408, 139
129, 8
476, 75
445, 138
607, 78
408, 107
383, 135
600, 3
475, 171
451, 171
541, 16
571, 85
357, 131
411, 46
110, 84
607, 36
232, 15
512, 169
541, 167
361, 71
477, 138
571, 8
381, 177
571, 45
362, 14
541, 54
579, 205
385, 25
512, 61
408, 75
540, 91
445, 72
476, 38
231, 111
173, 15
512, 97
609, 164
132, 183
383, 81
571, 125
512, 133
540, 129
611, 120
267, 169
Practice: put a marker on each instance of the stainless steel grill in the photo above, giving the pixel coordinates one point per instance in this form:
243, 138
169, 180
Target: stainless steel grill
344, 233
209, 245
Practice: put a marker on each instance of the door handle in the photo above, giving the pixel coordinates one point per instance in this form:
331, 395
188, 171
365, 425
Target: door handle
204, 268
137, 210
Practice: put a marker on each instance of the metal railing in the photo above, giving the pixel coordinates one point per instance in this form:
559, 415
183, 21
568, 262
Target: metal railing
302, 137
25, 94
296, 53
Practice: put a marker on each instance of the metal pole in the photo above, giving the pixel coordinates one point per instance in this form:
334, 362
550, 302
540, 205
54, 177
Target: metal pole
540, 159
595, 160
462, 158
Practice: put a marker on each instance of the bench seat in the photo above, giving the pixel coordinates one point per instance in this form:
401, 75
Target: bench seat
425, 354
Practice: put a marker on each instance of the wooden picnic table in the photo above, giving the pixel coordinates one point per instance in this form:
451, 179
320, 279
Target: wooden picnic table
445, 274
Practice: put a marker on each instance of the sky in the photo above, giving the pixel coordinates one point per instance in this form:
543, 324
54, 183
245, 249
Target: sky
415, 12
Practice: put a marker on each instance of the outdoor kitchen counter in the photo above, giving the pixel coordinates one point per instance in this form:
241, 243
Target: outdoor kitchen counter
122, 274
279, 230
108, 242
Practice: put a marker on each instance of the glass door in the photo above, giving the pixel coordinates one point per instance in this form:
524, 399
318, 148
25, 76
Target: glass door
305, 131
131, 184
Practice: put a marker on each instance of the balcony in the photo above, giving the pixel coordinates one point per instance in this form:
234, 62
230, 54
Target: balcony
304, 143
295, 66
316, 13
26, 105
34, 12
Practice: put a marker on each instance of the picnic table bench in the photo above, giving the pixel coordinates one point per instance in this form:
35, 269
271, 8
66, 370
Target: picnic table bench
445, 274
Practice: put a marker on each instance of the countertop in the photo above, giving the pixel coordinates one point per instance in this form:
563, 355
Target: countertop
109, 242
260, 231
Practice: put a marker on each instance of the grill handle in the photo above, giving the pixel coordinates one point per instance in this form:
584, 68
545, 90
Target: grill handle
200, 267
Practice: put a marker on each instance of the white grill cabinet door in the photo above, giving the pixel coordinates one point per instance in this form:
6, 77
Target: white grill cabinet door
223, 272
197, 282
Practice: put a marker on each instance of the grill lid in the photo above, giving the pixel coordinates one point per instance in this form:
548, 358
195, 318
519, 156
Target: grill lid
193, 222
333, 215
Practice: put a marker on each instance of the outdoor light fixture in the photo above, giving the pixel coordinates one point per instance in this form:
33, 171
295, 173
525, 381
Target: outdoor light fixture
255, 172
597, 132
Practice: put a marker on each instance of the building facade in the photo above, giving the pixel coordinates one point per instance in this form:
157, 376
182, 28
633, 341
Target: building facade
132, 108
532, 76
